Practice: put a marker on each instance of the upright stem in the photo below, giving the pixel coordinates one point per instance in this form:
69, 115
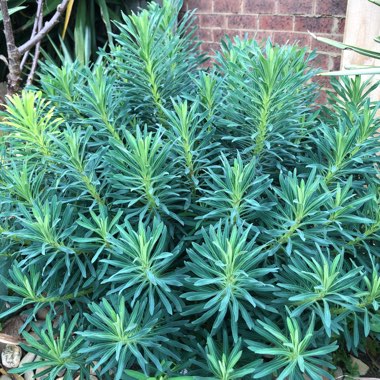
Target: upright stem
14, 57
263, 125
36, 28
39, 18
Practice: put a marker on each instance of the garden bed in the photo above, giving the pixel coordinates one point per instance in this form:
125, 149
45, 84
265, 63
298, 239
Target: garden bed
161, 219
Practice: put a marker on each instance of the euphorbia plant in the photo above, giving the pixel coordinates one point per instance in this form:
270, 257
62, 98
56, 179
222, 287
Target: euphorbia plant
184, 222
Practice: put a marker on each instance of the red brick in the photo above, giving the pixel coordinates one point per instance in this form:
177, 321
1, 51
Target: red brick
259, 6
325, 48
282, 38
340, 25
210, 47
336, 63
321, 61
322, 81
314, 24
331, 7
205, 34
227, 6
276, 22
200, 5
295, 7
322, 97
210, 21
242, 22
220, 34
260, 35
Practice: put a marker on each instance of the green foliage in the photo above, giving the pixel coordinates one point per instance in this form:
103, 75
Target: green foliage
184, 222
222, 361
292, 355
119, 338
142, 266
234, 191
257, 81
154, 58
58, 350
227, 277
144, 176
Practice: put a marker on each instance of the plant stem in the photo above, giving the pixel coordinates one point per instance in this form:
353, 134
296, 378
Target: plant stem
14, 56
45, 30
262, 128
39, 18
34, 31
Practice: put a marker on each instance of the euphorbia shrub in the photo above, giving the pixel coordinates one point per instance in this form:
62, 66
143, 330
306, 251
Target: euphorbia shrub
178, 220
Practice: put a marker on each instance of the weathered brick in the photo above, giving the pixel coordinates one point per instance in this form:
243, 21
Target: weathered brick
202, 6
209, 21
322, 61
331, 7
242, 22
282, 38
205, 34
295, 7
260, 35
259, 6
336, 63
220, 34
227, 6
322, 81
275, 22
210, 47
341, 22
314, 24
322, 96
281, 20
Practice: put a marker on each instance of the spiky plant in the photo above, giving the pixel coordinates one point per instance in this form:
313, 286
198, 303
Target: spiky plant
182, 221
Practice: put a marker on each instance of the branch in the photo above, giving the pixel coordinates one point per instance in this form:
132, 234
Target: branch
36, 28
45, 30
8, 30
38, 45
9, 339
4, 59
14, 76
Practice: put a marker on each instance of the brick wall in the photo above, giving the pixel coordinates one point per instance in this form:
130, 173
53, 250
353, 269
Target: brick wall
281, 20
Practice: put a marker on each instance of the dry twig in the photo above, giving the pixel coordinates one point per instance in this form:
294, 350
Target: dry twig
37, 48
9, 339
34, 30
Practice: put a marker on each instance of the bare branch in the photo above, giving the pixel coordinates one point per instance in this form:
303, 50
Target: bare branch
4, 59
45, 30
37, 49
8, 30
9, 339
35, 29
14, 76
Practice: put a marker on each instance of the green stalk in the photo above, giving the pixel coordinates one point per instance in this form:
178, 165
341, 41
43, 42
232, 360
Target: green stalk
154, 86
92, 189
262, 127
66, 297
